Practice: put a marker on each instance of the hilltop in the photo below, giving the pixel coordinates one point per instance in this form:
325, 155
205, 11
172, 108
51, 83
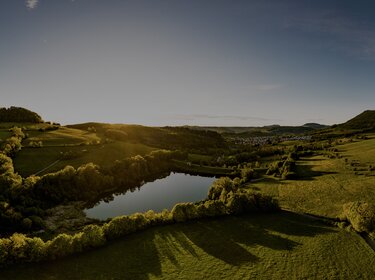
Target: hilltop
268, 130
19, 115
363, 121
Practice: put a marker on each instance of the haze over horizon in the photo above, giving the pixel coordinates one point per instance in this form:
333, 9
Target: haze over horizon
218, 63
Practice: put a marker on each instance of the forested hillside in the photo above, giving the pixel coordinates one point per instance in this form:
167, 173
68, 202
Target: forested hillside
18, 114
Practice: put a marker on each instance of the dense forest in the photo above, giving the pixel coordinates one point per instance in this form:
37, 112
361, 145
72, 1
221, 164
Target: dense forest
20, 115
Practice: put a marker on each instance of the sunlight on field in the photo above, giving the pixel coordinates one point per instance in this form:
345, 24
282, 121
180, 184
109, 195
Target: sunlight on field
31, 160
266, 246
62, 136
326, 184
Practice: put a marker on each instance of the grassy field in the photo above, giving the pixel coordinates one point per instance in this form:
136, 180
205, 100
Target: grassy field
267, 246
62, 136
4, 134
326, 184
201, 169
31, 160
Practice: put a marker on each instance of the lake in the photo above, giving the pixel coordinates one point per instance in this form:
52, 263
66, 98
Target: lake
157, 195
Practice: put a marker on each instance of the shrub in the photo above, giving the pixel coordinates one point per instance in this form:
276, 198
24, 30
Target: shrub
184, 211
212, 208
247, 174
90, 237
221, 187
60, 246
122, 225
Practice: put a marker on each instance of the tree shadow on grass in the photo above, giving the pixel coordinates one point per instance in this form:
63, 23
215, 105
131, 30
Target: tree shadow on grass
288, 223
137, 256
306, 172
217, 243
229, 238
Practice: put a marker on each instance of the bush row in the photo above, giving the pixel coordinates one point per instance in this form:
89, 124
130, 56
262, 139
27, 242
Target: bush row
224, 199
13, 144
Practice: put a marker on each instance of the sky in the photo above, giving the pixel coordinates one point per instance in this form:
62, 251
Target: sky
196, 62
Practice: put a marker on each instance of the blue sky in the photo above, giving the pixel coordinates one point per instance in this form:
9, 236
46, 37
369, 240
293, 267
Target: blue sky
244, 63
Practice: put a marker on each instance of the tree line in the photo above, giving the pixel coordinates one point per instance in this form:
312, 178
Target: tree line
20, 115
225, 197
23, 201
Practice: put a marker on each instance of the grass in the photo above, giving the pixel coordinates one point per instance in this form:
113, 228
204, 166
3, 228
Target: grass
4, 134
31, 160
266, 246
198, 158
363, 150
272, 246
62, 136
28, 126
202, 169
325, 184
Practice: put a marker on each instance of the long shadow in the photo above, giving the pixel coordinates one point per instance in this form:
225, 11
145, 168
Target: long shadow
137, 256
217, 242
222, 238
290, 223
306, 172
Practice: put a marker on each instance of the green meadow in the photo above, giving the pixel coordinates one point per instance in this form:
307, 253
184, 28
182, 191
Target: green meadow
324, 184
80, 146
264, 246
287, 244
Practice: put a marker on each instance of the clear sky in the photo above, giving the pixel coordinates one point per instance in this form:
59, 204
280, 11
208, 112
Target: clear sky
244, 63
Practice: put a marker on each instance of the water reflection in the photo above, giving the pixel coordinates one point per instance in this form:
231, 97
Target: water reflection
158, 195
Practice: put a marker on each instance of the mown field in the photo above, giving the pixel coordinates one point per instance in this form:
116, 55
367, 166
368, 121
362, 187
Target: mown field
326, 184
265, 246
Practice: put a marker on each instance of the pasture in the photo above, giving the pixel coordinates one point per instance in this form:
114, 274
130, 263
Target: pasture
69, 146
325, 184
265, 246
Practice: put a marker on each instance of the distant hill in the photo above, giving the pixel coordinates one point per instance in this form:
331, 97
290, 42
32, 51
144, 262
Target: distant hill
18, 114
364, 121
315, 125
159, 137
263, 130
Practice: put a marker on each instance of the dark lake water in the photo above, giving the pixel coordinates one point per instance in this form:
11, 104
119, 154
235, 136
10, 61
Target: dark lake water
158, 195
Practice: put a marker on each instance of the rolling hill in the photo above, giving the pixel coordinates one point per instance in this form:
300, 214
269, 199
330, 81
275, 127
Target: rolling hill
363, 121
268, 130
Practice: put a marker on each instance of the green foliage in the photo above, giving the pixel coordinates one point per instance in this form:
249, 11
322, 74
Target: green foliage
60, 246
19, 248
171, 138
247, 173
123, 225
13, 144
285, 168
17, 114
184, 211
90, 237
35, 144
220, 188
211, 208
